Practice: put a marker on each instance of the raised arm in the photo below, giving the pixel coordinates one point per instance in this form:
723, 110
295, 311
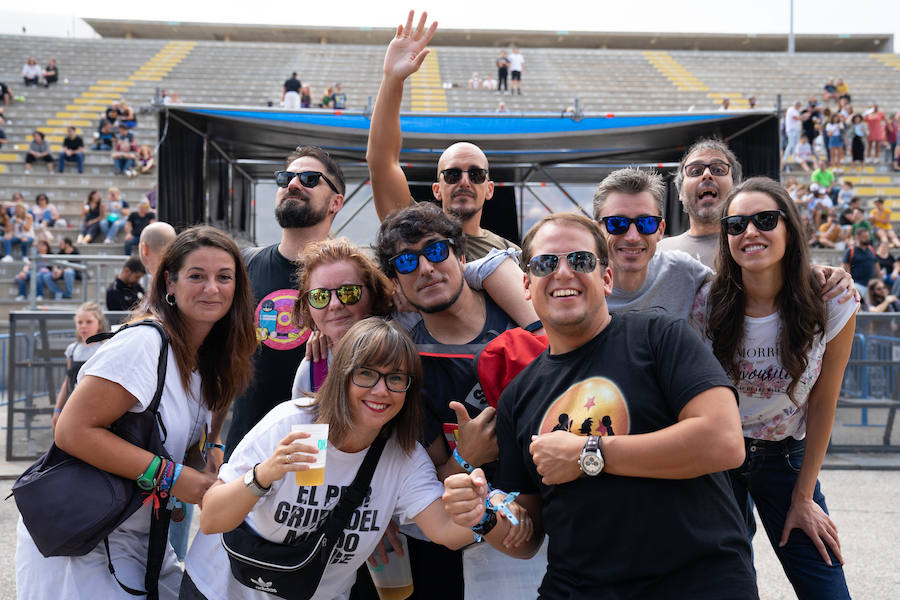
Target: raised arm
404, 56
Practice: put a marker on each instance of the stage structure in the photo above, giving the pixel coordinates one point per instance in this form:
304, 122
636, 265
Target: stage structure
212, 159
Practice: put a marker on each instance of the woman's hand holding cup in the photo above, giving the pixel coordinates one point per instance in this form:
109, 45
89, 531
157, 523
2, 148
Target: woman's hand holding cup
291, 455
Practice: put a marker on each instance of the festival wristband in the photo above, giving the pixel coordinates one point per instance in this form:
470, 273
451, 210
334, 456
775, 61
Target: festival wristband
462, 462
57, 410
147, 480
178, 468
211, 445
503, 506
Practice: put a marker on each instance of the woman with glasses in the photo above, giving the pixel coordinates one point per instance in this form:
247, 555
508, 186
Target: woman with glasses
785, 350
338, 286
373, 389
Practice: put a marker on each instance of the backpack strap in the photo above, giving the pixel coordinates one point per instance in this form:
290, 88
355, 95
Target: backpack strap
159, 522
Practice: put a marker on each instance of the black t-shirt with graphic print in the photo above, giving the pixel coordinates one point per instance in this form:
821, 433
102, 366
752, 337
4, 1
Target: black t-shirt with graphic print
626, 537
282, 346
450, 374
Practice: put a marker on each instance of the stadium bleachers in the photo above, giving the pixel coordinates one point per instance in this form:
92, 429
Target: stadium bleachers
94, 72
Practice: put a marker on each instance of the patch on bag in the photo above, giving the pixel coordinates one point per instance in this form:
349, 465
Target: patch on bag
263, 586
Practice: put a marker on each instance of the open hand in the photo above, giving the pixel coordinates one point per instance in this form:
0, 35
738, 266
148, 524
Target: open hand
407, 50
816, 524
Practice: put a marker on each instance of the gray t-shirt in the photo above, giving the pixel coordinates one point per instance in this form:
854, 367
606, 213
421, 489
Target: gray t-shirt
673, 279
702, 247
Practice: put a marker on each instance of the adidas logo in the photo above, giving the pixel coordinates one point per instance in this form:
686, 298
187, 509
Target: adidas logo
263, 586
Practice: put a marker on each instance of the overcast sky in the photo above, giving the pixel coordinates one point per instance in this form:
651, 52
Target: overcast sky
61, 17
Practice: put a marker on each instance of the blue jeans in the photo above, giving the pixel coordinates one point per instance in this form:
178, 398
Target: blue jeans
179, 532
68, 278
769, 474
23, 285
123, 164
111, 228
78, 157
26, 244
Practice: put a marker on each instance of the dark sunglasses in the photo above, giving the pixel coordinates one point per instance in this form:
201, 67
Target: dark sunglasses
408, 261
368, 378
716, 169
618, 225
308, 179
346, 294
454, 174
764, 220
580, 261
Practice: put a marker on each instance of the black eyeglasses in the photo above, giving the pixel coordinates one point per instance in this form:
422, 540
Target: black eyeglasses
308, 179
368, 378
764, 220
716, 169
618, 225
454, 174
580, 261
346, 294
408, 261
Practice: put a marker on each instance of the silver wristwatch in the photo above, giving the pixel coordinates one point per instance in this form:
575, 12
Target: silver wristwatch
253, 484
591, 459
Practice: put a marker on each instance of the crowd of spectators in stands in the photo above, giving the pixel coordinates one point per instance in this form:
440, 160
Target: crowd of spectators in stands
835, 131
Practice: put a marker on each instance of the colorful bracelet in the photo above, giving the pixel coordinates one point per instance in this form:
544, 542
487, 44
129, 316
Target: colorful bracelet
147, 480
57, 410
212, 445
462, 462
178, 468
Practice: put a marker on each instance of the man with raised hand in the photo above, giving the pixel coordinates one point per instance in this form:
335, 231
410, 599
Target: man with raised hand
463, 182
616, 448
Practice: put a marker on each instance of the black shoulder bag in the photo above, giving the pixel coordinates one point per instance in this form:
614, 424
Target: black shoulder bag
97, 501
294, 571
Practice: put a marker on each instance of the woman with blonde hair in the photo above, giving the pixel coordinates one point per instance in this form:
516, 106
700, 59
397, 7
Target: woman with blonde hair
89, 321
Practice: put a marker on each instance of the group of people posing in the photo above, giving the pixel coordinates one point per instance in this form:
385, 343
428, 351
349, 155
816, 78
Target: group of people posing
672, 382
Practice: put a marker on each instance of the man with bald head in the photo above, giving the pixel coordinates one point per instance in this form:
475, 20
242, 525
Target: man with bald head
154, 239
463, 182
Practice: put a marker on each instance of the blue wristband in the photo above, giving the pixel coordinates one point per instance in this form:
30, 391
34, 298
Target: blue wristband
178, 468
503, 506
462, 462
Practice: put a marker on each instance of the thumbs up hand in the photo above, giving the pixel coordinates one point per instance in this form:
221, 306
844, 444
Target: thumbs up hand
477, 442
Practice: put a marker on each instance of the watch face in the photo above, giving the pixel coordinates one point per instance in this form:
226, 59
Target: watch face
248, 477
591, 464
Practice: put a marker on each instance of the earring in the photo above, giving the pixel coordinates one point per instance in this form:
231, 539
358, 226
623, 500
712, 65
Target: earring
170, 299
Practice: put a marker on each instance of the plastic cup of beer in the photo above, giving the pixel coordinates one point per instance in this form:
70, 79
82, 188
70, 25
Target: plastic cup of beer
318, 437
393, 580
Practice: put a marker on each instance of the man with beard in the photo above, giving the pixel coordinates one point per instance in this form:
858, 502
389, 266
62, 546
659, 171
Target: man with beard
311, 192
708, 171
463, 183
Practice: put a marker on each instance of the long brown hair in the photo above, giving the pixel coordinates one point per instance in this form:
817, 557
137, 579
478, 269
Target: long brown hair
801, 311
224, 358
331, 251
371, 342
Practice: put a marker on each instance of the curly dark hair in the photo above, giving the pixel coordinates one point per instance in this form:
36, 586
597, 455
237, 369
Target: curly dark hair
800, 308
410, 225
